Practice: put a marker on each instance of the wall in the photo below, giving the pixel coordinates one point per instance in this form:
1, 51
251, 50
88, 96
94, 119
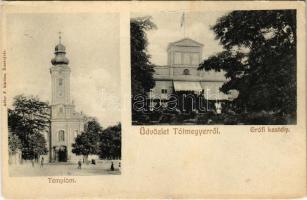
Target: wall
168, 85
71, 129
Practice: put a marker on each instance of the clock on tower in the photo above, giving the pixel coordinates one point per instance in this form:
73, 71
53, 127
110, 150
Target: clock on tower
60, 76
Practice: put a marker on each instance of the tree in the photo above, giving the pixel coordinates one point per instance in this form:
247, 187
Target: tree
15, 147
36, 146
110, 143
29, 120
259, 59
141, 68
14, 144
88, 141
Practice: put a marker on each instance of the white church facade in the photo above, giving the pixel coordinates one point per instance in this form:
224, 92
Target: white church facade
66, 123
181, 74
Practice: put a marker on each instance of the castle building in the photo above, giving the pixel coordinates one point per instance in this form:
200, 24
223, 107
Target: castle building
181, 74
66, 123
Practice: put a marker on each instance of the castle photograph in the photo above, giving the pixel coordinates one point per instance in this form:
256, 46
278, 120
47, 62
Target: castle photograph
220, 67
61, 95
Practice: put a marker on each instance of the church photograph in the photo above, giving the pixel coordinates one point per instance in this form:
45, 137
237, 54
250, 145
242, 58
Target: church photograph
204, 68
63, 94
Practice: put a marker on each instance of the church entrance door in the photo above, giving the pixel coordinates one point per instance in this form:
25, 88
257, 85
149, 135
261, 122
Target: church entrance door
62, 154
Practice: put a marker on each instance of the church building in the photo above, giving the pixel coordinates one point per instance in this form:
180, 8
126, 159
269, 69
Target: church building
181, 74
66, 123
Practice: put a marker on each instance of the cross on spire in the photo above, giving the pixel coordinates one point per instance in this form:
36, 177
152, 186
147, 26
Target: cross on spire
60, 37
183, 23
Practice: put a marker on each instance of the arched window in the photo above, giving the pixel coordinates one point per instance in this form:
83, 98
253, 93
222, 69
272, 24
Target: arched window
60, 81
61, 135
186, 72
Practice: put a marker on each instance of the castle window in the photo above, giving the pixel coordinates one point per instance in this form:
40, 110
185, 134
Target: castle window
186, 72
61, 136
195, 58
164, 91
177, 59
60, 110
186, 58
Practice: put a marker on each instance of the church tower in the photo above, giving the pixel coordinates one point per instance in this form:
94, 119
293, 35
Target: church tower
60, 76
66, 124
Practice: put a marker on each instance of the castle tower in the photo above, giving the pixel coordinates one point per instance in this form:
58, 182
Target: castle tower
66, 124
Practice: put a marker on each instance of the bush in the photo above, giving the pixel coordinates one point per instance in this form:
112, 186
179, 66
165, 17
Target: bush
167, 118
231, 119
266, 118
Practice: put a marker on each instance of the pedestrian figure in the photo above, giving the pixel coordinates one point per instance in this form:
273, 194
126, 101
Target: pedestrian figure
42, 162
112, 166
32, 161
79, 164
119, 165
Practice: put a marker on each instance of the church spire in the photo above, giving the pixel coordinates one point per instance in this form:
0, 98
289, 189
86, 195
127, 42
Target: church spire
60, 52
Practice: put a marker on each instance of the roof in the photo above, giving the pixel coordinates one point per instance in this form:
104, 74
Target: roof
59, 48
187, 86
59, 58
185, 42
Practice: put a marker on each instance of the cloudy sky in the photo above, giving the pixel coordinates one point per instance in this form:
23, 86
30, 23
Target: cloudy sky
197, 27
92, 45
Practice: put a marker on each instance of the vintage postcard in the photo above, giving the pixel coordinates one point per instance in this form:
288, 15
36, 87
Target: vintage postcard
153, 99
